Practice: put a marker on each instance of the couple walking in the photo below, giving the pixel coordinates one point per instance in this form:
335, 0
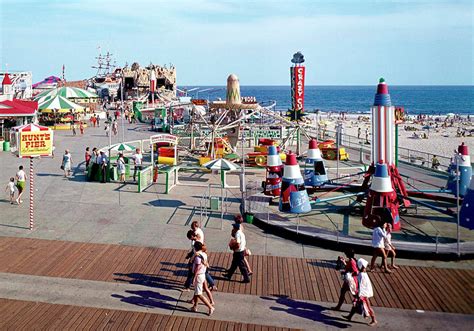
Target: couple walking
198, 266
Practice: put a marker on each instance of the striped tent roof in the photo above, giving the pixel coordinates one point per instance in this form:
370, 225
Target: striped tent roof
31, 127
66, 92
58, 102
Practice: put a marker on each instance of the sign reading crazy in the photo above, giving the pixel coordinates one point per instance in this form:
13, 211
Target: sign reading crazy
36, 143
297, 87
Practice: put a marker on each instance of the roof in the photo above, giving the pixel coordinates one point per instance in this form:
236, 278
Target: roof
6, 80
31, 127
18, 107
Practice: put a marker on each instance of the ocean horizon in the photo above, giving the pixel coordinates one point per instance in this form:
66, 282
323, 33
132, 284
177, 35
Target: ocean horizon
416, 99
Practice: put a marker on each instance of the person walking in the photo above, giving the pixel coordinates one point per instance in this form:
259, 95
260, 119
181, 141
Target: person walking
138, 161
87, 158
20, 183
240, 220
358, 132
98, 120
66, 163
102, 160
365, 292
199, 269
237, 244
349, 275
198, 233
389, 248
11, 189
115, 127
121, 168
81, 128
73, 128
378, 238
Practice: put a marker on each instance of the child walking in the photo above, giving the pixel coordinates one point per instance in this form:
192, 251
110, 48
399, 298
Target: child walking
389, 248
11, 189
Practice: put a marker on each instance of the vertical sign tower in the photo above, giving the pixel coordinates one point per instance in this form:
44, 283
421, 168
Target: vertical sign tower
297, 72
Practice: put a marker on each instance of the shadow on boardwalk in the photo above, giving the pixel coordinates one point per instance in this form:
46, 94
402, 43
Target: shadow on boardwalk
307, 310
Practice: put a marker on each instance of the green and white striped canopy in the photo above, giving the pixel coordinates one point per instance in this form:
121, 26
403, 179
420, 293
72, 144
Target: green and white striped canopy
66, 92
221, 164
58, 102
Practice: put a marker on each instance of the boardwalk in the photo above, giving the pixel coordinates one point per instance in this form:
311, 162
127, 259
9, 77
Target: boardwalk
430, 289
41, 316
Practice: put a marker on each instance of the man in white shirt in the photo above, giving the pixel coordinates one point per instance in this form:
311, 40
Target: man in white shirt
378, 243
138, 161
238, 245
199, 234
20, 183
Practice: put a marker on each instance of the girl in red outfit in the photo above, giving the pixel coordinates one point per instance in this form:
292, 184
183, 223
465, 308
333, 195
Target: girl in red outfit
349, 276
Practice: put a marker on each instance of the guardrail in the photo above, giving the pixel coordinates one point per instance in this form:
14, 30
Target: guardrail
412, 156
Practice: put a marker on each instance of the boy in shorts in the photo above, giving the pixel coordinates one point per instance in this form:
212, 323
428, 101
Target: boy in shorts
11, 188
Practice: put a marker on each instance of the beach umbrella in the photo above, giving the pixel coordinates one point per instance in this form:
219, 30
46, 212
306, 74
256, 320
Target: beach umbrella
58, 102
221, 164
122, 148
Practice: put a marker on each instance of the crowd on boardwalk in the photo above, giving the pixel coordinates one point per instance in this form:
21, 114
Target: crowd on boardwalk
198, 263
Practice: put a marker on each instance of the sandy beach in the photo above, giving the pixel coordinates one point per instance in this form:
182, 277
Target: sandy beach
439, 140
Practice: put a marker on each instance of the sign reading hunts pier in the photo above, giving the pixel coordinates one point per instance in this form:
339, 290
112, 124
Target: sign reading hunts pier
32, 140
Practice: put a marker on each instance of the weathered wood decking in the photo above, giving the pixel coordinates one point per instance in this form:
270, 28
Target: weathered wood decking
17, 314
432, 289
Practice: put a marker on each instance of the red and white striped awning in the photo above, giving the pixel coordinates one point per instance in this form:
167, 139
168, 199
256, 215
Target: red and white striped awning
30, 127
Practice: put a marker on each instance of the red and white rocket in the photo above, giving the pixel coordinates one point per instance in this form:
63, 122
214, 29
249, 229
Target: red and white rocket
274, 172
386, 180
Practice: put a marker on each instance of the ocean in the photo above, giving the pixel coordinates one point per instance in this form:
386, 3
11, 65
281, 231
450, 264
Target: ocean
358, 99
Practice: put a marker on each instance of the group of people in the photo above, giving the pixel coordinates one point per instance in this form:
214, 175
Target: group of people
99, 161
20, 185
74, 126
357, 282
355, 277
198, 263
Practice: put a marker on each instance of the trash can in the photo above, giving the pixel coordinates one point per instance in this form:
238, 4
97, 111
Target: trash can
249, 218
6, 146
113, 173
215, 203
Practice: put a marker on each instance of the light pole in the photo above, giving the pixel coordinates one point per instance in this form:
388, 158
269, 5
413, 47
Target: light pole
121, 104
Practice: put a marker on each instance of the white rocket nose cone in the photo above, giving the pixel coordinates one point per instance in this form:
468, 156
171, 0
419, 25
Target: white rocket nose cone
381, 181
292, 172
314, 154
273, 160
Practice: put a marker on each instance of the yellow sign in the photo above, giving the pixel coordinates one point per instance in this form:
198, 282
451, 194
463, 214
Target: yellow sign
36, 143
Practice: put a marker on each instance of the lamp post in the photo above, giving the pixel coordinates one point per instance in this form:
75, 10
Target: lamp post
121, 104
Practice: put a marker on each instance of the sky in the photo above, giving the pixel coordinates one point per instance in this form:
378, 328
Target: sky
344, 42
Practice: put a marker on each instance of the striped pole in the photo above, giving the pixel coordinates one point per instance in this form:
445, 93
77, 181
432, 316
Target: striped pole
32, 180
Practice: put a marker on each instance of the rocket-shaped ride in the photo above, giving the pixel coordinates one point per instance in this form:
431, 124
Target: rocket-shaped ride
294, 197
383, 202
314, 169
462, 160
274, 172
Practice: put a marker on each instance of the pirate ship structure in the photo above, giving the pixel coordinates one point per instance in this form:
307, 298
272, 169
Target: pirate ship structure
152, 82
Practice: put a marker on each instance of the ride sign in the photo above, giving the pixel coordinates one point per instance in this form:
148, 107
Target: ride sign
297, 87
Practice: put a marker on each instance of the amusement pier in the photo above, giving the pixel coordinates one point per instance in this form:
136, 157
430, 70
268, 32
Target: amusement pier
116, 176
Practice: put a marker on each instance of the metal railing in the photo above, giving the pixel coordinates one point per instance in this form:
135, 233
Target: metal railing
412, 156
